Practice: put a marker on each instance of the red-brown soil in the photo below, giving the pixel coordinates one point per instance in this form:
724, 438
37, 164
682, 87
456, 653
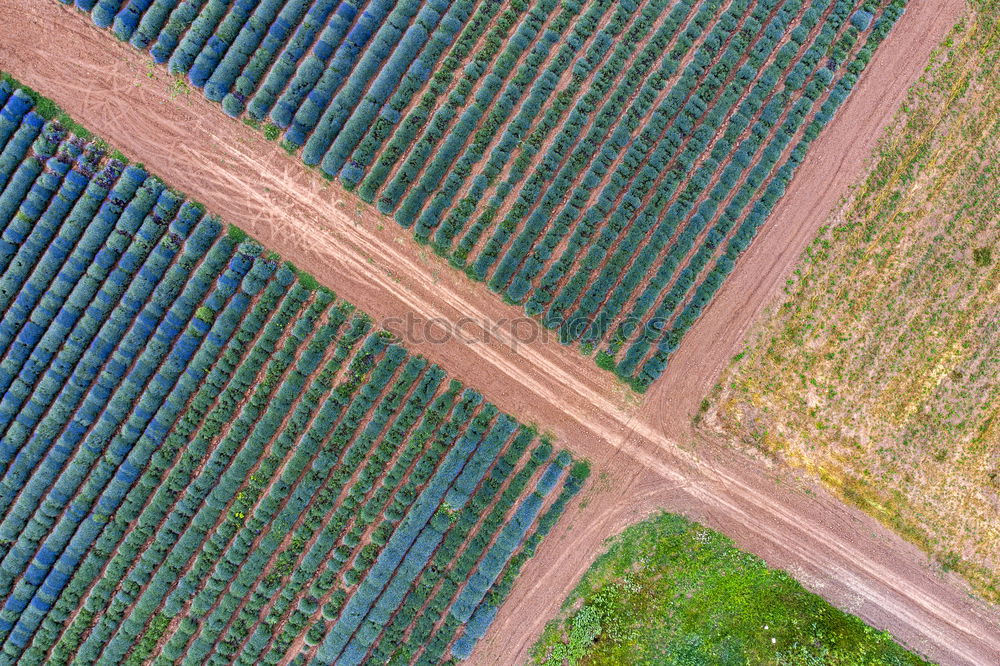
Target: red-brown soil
638, 465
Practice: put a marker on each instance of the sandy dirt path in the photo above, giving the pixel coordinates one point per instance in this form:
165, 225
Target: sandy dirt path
638, 465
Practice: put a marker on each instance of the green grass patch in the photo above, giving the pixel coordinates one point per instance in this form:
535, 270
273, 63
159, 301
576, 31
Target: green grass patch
307, 280
983, 256
271, 132
669, 591
236, 234
605, 361
144, 650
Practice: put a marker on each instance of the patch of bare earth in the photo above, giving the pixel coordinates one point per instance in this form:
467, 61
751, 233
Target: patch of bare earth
834, 550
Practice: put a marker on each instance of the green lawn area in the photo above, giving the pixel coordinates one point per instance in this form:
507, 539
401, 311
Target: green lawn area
669, 591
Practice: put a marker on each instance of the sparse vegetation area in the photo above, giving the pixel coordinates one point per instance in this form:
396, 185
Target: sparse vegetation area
669, 591
877, 373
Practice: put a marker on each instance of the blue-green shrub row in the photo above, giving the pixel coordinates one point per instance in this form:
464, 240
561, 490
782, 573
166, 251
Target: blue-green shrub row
563, 163
417, 606
546, 148
582, 319
585, 71
348, 29
622, 196
753, 160
290, 512
368, 511
515, 131
371, 83
375, 128
801, 126
190, 435
225, 386
530, 46
322, 582
56, 341
340, 88
439, 82
262, 94
611, 200
472, 85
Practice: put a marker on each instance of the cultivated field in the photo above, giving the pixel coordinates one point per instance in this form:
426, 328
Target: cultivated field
838, 552
207, 458
878, 371
604, 164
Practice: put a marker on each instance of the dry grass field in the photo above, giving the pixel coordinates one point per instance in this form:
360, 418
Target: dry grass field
877, 371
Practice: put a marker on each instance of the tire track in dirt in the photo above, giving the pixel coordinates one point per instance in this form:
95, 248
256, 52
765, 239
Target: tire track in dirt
638, 467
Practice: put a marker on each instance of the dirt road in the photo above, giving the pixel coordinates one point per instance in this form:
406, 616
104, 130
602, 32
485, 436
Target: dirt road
638, 465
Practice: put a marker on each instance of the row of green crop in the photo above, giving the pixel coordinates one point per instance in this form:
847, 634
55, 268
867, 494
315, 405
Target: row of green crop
205, 459
655, 231
368, 503
514, 69
600, 69
585, 39
805, 132
739, 177
536, 145
144, 531
639, 166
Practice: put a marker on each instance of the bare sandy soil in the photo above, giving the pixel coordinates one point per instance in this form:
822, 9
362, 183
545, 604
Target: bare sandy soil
638, 465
